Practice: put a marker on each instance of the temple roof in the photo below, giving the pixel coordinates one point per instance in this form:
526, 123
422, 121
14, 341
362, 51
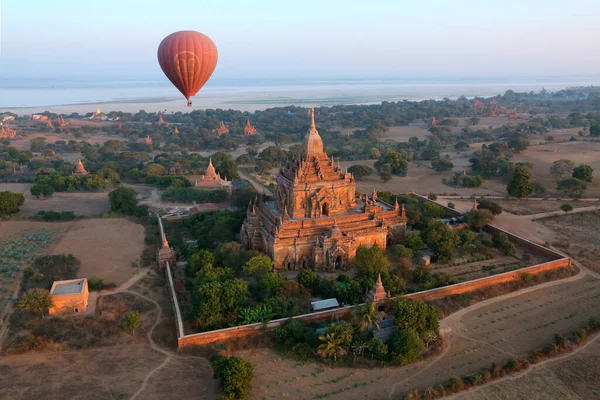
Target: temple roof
313, 144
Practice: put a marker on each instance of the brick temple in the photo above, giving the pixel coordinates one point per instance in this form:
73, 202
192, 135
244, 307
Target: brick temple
316, 220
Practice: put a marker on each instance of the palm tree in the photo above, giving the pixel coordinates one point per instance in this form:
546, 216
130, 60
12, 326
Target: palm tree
368, 316
332, 346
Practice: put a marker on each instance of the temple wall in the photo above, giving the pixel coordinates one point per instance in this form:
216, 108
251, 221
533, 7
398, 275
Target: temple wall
67, 303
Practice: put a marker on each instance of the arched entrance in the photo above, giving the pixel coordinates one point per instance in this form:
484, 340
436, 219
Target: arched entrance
325, 209
338, 262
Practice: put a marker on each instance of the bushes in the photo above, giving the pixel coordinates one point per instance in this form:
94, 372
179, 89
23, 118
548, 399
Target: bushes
55, 216
405, 345
235, 375
10, 202
189, 194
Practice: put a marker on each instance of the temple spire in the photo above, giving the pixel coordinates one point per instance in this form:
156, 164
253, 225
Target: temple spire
313, 126
313, 144
165, 243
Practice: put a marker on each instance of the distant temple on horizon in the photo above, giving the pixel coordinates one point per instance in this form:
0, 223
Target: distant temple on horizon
249, 129
212, 180
222, 130
60, 121
316, 220
161, 121
148, 140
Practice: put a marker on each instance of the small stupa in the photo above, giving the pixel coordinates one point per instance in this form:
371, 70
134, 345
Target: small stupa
378, 293
148, 140
79, 169
161, 121
222, 130
474, 205
175, 131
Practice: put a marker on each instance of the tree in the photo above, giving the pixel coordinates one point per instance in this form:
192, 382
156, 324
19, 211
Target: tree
123, 200
371, 261
132, 321
258, 265
225, 165
199, 260
584, 173
442, 239
400, 252
461, 145
397, 161
385, 172
271, 284
442, 164
467, 237
520, 184
406, 345
413, 242
360, 171
36, 300
367, 316
10, 202
41, 189
573, 187
235, 375
562, 167
494, 208
332, 346
566, 207
477, 219
416, 315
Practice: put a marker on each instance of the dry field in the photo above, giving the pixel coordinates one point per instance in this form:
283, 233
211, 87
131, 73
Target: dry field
108, 248
119, 366
423, 180
495, 330
528, 207
574, 377
579, 236
81, 203
580, 152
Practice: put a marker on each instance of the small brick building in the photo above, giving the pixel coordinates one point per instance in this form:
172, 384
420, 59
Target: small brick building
69, 297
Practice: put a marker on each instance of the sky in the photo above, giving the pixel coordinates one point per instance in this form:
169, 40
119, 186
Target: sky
326, 39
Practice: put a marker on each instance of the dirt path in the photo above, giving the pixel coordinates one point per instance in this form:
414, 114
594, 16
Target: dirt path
257, 185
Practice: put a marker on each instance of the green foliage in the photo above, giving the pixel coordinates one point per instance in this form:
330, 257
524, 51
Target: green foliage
349, 292
566, 208
467, 237
271, 284
95, 283
584, 173
442, 164
367, 316
225, 165
442, 240
40, 189
235, 375
132, 321
199, 260
10, 202
477, 219
413, 242
398, 251
493, 207
360, 171
36, 300
416, 315
190, 194
55, 215
213, 228
405, 345
377, 348
573, 187
260, 313
258, 265
561, 168
397, 161
501, 241
124, 200
371, 261
520, 184
214, 303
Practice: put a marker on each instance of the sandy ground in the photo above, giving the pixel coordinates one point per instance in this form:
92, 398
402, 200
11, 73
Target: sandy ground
526, 207
152, 370
423, 180
86, 204
493, 331
107, 248
572, 378
579, 236
580, 152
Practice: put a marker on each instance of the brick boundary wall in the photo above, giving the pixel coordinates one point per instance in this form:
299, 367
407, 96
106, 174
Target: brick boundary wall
558, 260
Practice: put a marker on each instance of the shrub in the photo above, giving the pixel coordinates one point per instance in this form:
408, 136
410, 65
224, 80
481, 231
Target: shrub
406, 345
55, 216
416, 315
456, 384
235, 375
566, 207
132, 321
594, 323
36, 300
95, 283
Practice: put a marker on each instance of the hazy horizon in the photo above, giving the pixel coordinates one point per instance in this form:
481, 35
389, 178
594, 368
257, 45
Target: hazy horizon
305, 41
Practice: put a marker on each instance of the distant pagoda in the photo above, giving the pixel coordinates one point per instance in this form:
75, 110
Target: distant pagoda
79, 169
377, 293
60, 121
175, 131
222, 130
49, 125
212, 180
434, 123
148, 140
161, 121
7, 133
249, 129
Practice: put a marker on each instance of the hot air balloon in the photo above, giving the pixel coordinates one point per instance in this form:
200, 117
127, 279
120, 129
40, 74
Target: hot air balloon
188, 59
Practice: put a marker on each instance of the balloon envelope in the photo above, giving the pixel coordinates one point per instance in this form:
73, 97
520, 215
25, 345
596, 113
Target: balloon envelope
188, 59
